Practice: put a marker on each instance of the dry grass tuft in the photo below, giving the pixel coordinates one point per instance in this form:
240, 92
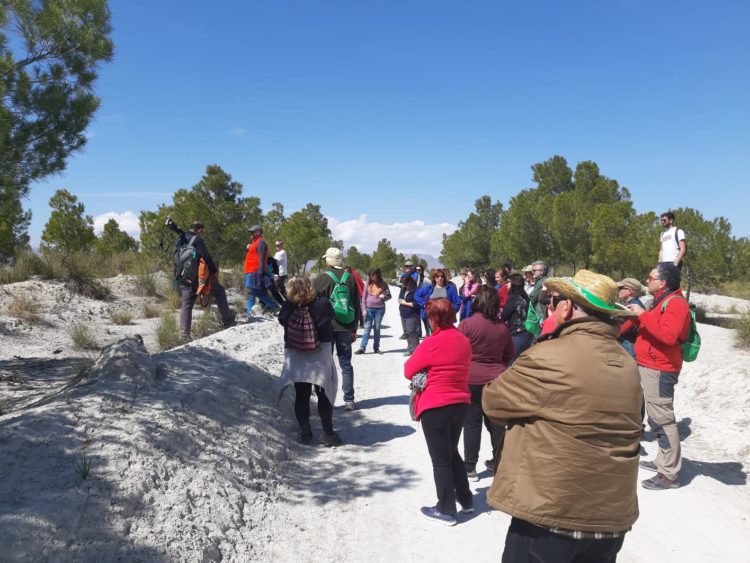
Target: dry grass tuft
207, 323
120, 317
742, 327
26, 308
167, 331
83, 337
150, 311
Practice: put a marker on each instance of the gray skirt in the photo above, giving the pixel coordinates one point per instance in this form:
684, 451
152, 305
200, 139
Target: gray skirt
309, 367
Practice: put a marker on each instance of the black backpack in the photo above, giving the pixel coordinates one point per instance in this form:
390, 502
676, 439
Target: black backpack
186, 260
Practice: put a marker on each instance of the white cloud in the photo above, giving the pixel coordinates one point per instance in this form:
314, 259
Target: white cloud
238, 131
414, 237
128, 222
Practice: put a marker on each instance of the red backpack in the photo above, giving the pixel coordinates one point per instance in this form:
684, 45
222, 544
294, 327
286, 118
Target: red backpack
300, 331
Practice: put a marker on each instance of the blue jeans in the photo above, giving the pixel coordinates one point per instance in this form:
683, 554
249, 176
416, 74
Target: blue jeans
374, 318
521, 342
259, 294
342, 339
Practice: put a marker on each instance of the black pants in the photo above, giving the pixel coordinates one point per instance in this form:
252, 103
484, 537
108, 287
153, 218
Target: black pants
411, 326
303, 391
442, 429
527, 543
473, 431
280, 283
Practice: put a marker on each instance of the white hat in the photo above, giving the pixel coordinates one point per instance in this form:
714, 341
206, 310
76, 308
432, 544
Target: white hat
334, 258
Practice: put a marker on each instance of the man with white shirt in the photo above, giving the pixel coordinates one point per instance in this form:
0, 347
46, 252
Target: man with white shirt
280, 257
673, 246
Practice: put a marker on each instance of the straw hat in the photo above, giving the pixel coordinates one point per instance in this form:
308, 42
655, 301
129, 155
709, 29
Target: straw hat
334, 258
528, 268
593, 291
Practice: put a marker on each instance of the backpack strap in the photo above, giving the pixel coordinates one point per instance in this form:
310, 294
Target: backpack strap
668, 299
333, 276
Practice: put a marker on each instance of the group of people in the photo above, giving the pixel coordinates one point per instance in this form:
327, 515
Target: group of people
559, 370
565, 416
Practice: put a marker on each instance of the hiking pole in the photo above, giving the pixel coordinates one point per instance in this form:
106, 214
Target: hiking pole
689, 282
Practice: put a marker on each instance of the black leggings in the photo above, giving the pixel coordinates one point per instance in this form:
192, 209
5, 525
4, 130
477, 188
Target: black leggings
442, 428
303, 391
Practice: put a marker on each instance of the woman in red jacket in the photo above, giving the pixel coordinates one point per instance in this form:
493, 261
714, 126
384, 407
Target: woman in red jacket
442, 406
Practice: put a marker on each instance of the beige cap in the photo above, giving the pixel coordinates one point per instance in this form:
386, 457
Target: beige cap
631, 283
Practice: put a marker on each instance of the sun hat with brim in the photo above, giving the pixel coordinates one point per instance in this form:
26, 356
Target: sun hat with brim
334, 258
528, 268
593, 291
408, 263
631, 283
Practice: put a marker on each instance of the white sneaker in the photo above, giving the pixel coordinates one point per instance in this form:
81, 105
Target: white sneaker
349, 405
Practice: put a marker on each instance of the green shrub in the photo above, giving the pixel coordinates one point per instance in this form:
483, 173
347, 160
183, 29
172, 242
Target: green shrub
205, 324
737, 288
742, 327
173, 300
167, 331
26, 308
120, 317
50, 266
146, 282
234, 278
150, 310
22, 268
82, 337
81, 279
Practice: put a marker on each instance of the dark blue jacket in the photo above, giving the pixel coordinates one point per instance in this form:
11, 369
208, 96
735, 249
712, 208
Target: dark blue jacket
424, 293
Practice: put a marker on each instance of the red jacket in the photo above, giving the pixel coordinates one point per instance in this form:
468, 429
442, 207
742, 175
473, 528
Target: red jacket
661, 335
446, 355
502, 294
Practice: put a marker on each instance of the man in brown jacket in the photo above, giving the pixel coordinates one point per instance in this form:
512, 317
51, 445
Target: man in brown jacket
572, 404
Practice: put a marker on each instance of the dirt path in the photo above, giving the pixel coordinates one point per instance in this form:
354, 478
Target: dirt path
361, 501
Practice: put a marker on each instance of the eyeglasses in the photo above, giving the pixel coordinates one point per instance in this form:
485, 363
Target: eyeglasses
649, 278
419, 269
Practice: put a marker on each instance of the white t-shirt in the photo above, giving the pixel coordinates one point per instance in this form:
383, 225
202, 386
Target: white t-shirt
669, 244
280, 257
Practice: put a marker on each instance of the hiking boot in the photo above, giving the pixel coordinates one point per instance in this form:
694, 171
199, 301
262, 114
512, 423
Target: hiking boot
378, 352
489, 464
359, 351
185, 338
331, 440
305, 437
403, 337
659, 483
650, 465
472, 475
349, 405
432, 513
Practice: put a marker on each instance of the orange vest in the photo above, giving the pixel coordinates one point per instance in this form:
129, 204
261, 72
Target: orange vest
253, 259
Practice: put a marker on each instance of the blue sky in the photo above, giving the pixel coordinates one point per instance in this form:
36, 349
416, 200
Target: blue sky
396, 116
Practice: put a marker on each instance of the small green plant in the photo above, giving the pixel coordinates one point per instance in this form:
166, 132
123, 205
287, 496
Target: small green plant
207, 323
145, 278
742, 328
167, 331
25, 308
233, 278
82, 465
120, 317
150, 310
50, 266
83, 337
173, 300
81, 269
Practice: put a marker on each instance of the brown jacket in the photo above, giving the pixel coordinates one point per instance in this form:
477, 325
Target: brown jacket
573, 405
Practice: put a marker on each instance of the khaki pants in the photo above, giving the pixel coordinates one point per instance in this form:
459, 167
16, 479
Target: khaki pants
658, 391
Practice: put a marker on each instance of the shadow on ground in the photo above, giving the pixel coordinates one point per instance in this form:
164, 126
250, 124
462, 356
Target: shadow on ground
726, 472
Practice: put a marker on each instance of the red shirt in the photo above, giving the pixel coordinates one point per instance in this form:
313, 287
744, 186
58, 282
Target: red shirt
446, 355
502, 293
661, 335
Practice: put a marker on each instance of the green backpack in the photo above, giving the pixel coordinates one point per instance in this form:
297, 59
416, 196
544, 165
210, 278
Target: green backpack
532, 323
341, 300
692, 345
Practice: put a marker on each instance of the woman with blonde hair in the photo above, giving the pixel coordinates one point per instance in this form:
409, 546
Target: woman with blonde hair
308, 362
374, 296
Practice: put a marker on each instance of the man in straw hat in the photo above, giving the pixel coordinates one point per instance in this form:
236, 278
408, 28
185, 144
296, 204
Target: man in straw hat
343, 334
572, 402
658, 351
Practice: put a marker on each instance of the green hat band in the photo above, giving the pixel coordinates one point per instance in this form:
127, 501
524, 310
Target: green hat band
593, 299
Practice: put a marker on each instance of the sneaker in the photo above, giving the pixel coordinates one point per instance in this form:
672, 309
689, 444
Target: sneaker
467, 509
489, 464
407, 354
378, 352
432, 513
472, 475
331, 440
358, 352
650, 465
305, 437
349, 405
659, 483
185, 338
403, 337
